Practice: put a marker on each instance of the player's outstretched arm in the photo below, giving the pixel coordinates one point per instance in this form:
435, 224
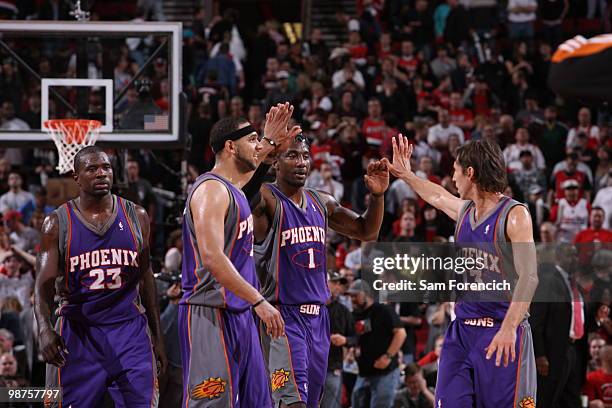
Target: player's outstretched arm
51, 344
519, 230
366, 226
148, 292
209, 205
433, 193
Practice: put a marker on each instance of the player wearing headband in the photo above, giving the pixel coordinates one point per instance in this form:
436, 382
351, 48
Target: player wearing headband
222, 360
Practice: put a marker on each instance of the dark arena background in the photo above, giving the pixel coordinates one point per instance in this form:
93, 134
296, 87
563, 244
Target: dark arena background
149, 79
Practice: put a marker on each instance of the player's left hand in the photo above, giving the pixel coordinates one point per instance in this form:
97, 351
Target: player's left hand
160, 355
503, 344
382, 362
377, 177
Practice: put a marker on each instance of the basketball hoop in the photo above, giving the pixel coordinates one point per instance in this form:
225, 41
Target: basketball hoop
70, 136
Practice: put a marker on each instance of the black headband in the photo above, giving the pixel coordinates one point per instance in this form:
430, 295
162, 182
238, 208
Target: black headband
235, 135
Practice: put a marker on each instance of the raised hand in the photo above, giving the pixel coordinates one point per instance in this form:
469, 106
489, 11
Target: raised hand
277, 126
275, 121
402, 151
377, 177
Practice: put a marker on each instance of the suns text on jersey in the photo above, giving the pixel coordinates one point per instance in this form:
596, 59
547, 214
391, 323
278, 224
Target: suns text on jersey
301, 235
104, 257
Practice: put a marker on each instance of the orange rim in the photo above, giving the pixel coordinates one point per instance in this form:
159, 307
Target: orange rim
75, 130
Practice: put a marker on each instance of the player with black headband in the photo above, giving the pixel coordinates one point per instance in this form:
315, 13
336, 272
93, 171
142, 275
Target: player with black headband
222, 359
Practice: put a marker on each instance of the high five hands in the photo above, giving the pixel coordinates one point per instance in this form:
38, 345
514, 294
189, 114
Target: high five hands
402, 151
277, 126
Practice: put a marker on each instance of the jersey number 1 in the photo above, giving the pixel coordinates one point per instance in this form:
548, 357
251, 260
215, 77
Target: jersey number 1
101, 274
311, 261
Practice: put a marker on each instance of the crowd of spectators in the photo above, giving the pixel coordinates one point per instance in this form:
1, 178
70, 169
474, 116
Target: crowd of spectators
440, 72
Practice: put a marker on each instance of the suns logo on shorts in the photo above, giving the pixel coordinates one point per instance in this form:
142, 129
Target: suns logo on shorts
279, 378
210, 388
527, 402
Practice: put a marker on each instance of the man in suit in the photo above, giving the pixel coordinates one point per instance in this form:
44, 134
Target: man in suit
557, 324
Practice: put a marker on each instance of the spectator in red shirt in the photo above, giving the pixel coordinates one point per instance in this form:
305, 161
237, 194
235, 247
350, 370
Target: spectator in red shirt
596, 343
404, 229
323, 148
480, 96
357, 48
595, 234
441, 95
384, 48
598, 386
459, 115
571, 173
373, 127
407, 60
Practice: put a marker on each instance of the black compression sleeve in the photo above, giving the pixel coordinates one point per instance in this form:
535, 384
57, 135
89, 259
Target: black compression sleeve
251, 189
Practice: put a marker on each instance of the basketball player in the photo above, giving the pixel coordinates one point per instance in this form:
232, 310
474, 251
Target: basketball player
95, 251
467, 376
291, 224
223, 364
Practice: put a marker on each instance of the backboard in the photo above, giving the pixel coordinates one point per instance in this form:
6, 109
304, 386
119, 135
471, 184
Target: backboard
127, 75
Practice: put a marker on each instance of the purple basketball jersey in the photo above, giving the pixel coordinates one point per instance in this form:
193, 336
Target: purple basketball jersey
480, 239
101, 266
200, 287
292, 261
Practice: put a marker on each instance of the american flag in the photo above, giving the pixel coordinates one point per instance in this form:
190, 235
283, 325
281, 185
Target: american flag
156, 122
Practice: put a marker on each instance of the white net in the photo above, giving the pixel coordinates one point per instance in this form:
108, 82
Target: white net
70, 136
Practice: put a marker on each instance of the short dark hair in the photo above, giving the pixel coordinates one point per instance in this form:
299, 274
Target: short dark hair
412, 369
79, 158
223, 127
487, 160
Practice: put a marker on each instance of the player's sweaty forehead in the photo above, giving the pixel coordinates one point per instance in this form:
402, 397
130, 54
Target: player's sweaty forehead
96, 159
297, 147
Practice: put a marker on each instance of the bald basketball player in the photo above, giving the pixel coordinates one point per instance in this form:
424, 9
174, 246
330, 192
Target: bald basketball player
95, 251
